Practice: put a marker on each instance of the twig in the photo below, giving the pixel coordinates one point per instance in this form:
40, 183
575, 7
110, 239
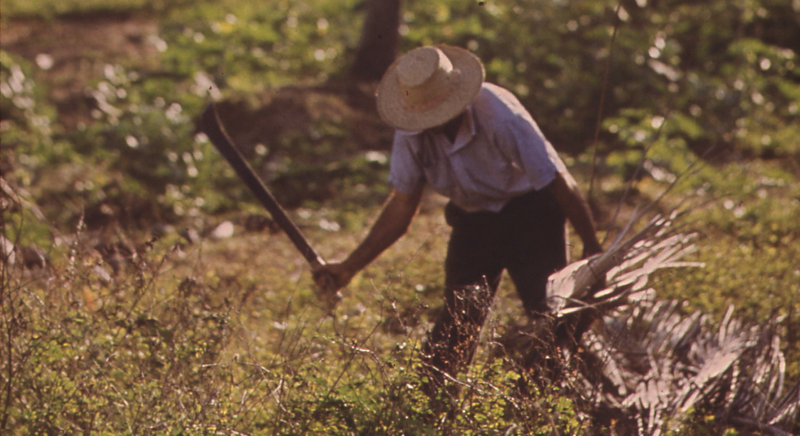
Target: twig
601, 104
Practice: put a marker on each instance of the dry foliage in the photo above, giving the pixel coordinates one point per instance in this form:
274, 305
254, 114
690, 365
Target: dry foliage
653, 364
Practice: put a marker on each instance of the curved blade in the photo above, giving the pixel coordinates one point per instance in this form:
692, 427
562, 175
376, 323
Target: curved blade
211, 125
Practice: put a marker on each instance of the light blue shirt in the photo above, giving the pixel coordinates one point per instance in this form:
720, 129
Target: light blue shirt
498, 153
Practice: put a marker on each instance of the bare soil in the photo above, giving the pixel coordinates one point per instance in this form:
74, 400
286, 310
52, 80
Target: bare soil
77, 50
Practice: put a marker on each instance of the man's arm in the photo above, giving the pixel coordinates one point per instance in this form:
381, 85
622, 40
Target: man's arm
398, 211
568, 196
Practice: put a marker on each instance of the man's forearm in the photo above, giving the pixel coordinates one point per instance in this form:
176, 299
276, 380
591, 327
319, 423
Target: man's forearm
577, 211
382, 235
581, 219
389, 227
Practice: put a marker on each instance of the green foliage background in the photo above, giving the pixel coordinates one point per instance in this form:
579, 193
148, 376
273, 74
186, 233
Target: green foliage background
639, 96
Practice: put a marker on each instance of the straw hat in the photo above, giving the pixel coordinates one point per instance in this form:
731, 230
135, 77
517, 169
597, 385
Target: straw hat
428, 86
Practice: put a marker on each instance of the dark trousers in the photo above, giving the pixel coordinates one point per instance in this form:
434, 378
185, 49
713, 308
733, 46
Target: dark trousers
526, 238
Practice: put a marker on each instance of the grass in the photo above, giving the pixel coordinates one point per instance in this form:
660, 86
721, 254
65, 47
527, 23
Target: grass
226, 335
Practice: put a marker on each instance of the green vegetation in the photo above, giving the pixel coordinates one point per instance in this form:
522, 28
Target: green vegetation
44, 9
135, 326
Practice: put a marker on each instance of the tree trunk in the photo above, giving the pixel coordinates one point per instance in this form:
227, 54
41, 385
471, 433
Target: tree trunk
377, 47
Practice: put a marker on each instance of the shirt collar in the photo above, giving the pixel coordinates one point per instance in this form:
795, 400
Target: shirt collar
466, 132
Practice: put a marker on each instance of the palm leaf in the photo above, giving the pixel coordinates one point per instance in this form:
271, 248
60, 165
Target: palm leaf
659, 364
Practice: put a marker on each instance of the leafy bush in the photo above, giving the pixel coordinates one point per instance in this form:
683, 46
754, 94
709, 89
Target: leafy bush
30, 147
737, 82
250, 48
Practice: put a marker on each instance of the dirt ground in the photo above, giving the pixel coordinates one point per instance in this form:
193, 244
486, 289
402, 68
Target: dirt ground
71, 53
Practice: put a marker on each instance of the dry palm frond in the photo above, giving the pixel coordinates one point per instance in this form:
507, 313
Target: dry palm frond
658, 364
663, 364
625, 268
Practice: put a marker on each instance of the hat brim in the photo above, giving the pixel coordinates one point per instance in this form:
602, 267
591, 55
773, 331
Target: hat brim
468, 82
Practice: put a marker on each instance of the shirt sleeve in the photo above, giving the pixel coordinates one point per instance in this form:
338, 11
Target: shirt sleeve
538, 158
405, 170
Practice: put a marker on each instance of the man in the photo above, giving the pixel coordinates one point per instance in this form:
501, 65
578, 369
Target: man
509, 193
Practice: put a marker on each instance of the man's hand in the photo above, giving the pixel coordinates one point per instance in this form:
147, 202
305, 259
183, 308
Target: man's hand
566, 192
591, 248
392, 223
330, 278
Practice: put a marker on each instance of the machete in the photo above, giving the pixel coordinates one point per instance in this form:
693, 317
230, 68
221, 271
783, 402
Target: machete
211, 125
